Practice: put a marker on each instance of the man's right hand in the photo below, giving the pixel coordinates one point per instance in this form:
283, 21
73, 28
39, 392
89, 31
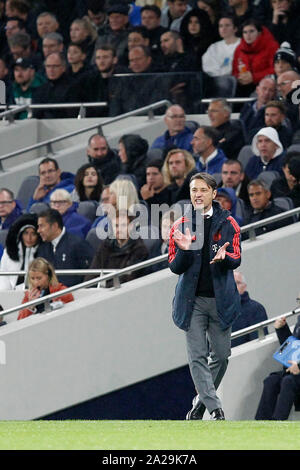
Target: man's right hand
183, 241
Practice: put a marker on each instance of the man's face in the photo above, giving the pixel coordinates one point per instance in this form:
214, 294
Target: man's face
50, 45
266, 147
121, 228
23, 76
175, 119
168, 43
265, 91
7, 205
258, 196
47, 231
177, 8
150, 20
105, 60
273, 117
45, 25
201, 195
284, 84
11, 28
138, 60
217, 114
54, 67
18, 51
200, 142
49, 175
226, 28
154, 177
232, 175
136, 39
59, 203
240, 284
177, 166
96, 18
98, 147
117, 21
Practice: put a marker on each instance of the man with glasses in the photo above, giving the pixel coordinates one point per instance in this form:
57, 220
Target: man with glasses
286, 88
177, 135
51, 178
58, 89
10, 209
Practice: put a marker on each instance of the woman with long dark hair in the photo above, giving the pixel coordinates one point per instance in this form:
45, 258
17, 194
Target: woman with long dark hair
88, 184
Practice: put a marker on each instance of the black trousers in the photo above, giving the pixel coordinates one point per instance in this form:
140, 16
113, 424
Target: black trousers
278, 396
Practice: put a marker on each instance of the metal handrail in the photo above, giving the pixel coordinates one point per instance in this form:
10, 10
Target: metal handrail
48, 143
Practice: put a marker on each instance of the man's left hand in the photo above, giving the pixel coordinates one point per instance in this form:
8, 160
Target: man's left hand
221, 253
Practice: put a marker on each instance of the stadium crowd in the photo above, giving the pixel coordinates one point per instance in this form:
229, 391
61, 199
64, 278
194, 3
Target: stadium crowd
96, 50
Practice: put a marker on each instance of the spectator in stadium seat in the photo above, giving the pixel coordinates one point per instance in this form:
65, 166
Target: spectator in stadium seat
20, 46
42, 281
155, 191
105, 159
209, 158
178, 168
83, 33
145, 87
52, 42
228, 201
21, 245
57, 90
115, 32
197, 33
22, 10
46, 23
233, 176
51, 178
121, 250
275, 116
286, 86
96, 13
177, 133
280, 389
241, 10
252, 114
284, 185
10, 208
77, 69
231, 130
285, 59
26, 80
75, 223
217, 60
254, 57
252, 312
88, 184
173, 13
262, 207
62, 249
268, 153
133, 155
150, 15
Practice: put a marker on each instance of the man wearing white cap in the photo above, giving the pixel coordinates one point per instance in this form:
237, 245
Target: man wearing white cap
268, 153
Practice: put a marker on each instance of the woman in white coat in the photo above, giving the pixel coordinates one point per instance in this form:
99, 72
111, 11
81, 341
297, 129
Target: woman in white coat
20, 249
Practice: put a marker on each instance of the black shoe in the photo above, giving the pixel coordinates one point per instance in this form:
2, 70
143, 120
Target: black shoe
217, 414
197, 411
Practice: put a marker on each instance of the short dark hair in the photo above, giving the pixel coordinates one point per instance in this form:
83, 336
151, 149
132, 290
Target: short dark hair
49, 160
52, 216
258, 182
107, 47
140, 29
212, 134
209, 179
253, 22
231, 161
156, 163
153, 8
276, 104
289, 155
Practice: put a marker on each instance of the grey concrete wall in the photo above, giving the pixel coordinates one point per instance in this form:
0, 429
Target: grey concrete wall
109, 339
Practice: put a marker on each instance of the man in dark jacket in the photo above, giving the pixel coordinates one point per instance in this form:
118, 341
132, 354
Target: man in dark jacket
103, 157
58, 89
262, 208
204, 249
252, 312
10, 209
62, 249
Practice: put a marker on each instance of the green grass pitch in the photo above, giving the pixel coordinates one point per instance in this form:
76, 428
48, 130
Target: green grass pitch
149, 435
